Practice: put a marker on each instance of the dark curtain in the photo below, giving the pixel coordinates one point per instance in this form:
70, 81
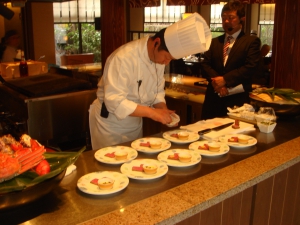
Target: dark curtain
143, 3
209, 2
192, 2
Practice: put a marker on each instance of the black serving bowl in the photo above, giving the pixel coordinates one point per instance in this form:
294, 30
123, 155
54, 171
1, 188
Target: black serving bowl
17, 198
281, 110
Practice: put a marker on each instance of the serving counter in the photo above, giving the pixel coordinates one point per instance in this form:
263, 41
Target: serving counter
245, 186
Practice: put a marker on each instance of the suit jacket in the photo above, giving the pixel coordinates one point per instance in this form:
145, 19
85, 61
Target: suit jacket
242, 63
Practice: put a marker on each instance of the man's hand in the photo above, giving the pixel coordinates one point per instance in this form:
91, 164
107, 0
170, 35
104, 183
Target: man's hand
223, 92
218, 82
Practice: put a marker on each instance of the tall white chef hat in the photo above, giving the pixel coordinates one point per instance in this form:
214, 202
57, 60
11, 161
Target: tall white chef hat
188, 36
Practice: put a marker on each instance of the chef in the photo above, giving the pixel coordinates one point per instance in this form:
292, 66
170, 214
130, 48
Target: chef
132, 85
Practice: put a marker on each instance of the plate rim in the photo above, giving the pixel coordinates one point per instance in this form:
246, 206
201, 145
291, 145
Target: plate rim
111, 192
153, 150
210, 155
147, 178
239, 145
180, 166
117, 162
180, 141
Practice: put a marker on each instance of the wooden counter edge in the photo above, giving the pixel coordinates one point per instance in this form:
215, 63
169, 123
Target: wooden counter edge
186, 200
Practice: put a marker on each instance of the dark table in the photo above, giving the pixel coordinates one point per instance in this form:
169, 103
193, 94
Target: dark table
67, 205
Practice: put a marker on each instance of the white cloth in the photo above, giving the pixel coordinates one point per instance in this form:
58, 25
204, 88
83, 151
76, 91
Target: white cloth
9, 54
211, 123
118, 88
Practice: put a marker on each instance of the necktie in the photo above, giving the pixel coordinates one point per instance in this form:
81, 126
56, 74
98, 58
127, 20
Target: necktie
226, 45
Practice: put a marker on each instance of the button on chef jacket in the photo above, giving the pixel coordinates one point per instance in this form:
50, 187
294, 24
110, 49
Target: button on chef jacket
118, 88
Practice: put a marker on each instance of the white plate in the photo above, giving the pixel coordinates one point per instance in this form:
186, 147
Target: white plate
224, 139
126, 169
165, 144
100, 154
193, 136
84, 183
163, 157
224, 148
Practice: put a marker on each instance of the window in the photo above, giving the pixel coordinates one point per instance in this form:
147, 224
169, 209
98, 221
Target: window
157, 18
216, 20
74, 27
266, 23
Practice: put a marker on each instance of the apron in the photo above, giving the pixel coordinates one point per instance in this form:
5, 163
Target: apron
111, 131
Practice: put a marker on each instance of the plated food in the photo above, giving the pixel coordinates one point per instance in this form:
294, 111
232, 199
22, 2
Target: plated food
181, 136
115, 154
144, 169
209, 148
238, 140
151, 145
102, 182
179, 157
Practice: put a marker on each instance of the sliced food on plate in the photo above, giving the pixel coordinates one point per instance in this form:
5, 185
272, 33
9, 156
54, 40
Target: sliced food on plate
209, 148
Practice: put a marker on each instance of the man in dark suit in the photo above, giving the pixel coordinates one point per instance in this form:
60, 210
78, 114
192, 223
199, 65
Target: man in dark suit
231, 67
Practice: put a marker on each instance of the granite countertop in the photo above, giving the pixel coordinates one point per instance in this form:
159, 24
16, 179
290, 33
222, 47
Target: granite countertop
186, 200
181, 193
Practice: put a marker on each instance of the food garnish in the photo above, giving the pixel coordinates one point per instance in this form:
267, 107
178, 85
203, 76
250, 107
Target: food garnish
204, 147
174, 156
145, 144
283, 93
233, 139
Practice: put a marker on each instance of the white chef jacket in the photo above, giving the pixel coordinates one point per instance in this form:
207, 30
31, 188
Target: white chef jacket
119, 88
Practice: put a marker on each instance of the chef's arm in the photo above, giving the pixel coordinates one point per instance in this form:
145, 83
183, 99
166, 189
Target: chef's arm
160, 113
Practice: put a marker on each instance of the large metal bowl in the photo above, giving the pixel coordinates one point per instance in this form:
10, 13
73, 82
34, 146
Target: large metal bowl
280, 109
30, 194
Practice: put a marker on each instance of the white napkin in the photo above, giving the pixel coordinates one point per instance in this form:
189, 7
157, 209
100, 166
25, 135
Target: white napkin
70, 169
205, 124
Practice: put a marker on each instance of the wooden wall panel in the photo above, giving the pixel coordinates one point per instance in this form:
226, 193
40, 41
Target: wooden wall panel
212, 215
291, 207
113, 26
232, 210
262, 202
286, 45
194, 220
279, 190
274, 201
246, 206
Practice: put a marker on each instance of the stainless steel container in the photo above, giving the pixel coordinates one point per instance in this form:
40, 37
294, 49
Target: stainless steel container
49, 118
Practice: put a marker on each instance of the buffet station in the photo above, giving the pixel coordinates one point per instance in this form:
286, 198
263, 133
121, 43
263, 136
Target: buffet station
51, 107
186, 174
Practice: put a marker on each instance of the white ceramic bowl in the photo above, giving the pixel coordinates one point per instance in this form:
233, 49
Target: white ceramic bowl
264, 117
265, 127
175, 120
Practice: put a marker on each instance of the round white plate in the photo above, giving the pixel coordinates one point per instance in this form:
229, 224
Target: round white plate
193, 136
126, 169
163, 157
224, 148
224, 139
84, 183
100, 154
164, 146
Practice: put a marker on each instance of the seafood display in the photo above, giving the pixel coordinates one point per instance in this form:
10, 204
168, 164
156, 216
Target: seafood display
17, 157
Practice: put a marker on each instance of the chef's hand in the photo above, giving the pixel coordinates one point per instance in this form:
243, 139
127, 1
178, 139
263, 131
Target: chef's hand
162, 115
218, 82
